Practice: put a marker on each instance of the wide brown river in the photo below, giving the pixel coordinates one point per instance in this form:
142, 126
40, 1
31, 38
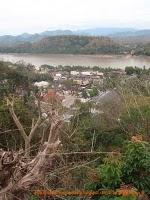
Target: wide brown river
114, 61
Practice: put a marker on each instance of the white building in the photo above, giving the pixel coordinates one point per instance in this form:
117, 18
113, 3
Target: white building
87, 73
57, 77
75, 73
100, 74
43, 84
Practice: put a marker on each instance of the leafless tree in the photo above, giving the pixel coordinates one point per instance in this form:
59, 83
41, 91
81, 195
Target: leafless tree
35, 125
18, 172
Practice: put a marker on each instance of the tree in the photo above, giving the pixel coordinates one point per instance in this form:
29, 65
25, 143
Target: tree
18, 174
9, 135
35, 125
111, 173
136, 168
132, 168
93, 92
129, 70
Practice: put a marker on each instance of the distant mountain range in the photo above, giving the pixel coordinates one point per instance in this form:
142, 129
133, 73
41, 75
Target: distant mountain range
133, 33
9, 40
132, 37
89, 41
104, 31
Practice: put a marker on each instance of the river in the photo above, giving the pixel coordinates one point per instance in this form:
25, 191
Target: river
114, 61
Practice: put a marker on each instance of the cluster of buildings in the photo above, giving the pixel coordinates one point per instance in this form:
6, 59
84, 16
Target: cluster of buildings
67, 86
71, 84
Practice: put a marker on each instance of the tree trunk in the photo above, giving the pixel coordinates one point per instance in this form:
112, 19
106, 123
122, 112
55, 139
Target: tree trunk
26, 174
27, 148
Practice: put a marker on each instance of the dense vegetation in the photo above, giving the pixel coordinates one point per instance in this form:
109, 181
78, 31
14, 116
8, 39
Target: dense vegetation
67, 44
90, 41
103, 150
143, 49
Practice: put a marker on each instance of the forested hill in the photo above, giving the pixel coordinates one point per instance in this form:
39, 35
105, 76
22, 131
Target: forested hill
66, 44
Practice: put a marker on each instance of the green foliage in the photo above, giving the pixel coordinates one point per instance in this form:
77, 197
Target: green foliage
136, 70
11, 79
7, 125
84, 94
69, 84
67, 44
81, 68
90, 127
109, 83
93, 92
47, 66
143, 49
136, 120
86, 129
133, 70
131, 168
111, 173
136, 169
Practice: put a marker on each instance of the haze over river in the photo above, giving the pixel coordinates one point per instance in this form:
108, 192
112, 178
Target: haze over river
114, 61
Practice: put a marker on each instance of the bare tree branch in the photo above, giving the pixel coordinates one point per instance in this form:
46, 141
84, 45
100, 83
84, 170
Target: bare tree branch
10, 105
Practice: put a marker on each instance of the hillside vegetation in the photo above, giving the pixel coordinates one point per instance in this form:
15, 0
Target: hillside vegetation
67, 44
94, 151
88, 41
9, 40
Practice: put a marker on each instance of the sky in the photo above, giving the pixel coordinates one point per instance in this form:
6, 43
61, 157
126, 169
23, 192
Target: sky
19, 16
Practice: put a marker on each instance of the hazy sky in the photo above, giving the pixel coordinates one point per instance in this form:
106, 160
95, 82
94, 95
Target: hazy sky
18, 16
